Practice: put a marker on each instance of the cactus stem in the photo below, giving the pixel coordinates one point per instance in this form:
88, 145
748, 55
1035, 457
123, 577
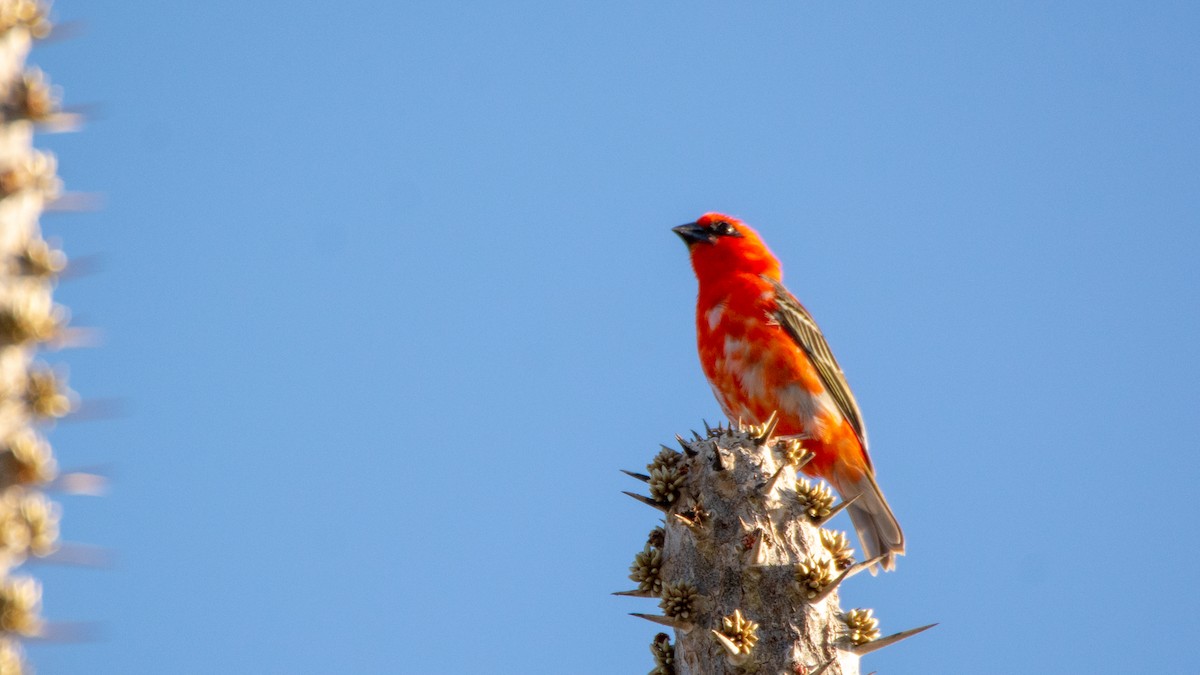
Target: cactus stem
824, 667
725, 546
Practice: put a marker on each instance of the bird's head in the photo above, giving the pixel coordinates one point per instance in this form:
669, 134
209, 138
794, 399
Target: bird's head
721, 245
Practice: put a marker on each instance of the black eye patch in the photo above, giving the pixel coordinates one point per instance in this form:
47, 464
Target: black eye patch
723, 228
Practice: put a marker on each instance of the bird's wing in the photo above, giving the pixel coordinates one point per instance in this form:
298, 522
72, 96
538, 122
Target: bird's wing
800, 325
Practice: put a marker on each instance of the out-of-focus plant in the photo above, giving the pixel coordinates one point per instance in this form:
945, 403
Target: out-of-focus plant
32, 394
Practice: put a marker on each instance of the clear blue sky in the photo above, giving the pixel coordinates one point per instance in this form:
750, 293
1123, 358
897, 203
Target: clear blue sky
390, 296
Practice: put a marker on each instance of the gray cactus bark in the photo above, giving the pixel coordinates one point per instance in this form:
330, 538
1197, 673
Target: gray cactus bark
744, 571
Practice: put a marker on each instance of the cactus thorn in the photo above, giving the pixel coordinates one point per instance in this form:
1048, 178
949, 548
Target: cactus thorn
79, 483
687, 448
732, 652
836, 510
67, 632
764, 432
722, 459
77, 555
773, 481
876, 645
685, 520
646, 500
682, 626
788, 438
742, 522
640, 476
636, 594
866, 564
75, 202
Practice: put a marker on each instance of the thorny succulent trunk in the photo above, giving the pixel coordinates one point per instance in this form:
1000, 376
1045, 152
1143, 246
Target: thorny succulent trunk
31, 394
742, 568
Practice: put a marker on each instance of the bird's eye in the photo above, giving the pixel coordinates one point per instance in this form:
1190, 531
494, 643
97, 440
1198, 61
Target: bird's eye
725, 229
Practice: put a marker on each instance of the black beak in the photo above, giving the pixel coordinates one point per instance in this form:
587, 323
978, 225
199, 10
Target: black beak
692, 233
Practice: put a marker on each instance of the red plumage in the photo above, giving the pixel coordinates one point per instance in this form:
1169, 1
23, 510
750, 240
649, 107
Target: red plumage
763, 353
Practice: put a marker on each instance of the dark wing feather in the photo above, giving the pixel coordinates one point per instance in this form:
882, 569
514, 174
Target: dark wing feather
799, 324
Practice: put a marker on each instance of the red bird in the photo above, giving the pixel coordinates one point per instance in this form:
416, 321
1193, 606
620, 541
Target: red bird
763, 353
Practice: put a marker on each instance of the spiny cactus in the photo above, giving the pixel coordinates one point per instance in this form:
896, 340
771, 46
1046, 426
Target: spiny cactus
32, 394
743, 570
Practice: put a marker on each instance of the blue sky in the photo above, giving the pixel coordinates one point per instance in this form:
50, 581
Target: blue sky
390, 295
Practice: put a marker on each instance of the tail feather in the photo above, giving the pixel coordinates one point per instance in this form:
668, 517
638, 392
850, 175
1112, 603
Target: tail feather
877, 528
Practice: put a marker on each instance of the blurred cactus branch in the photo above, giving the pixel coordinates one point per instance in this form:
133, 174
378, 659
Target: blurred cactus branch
32, 394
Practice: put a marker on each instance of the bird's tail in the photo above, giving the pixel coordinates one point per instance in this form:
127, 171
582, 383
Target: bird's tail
877, 528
